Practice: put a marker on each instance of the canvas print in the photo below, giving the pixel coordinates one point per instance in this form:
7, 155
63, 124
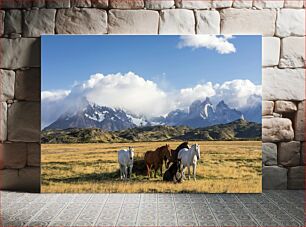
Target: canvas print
150, 114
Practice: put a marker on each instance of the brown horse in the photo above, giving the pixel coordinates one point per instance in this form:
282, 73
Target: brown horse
174, 153
154, 159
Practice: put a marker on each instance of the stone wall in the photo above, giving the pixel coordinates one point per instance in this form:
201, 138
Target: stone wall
281, 22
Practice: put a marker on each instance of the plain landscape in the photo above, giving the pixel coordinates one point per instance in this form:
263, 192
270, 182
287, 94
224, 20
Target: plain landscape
225, 166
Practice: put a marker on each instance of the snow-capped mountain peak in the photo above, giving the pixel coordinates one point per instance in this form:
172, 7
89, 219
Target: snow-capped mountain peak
202, 109
200, 114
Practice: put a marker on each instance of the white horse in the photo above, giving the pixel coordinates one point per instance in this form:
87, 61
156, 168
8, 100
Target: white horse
125, 159
189, 157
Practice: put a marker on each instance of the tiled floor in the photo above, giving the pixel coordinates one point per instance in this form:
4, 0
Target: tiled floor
271, 208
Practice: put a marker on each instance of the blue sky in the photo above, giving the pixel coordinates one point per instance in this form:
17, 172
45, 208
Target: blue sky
67, 59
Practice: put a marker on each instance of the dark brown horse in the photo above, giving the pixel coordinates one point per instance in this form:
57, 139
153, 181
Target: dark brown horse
174, 153
154, 159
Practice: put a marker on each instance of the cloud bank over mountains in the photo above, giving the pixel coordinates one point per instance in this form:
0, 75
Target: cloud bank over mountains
133, 93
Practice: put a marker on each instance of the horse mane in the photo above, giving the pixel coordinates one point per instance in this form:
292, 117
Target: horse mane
181, 146
163, 147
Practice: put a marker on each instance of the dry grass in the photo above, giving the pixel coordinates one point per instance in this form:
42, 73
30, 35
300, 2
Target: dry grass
233, 166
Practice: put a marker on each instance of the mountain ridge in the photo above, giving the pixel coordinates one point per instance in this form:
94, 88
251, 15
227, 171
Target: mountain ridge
199, 114
236, 130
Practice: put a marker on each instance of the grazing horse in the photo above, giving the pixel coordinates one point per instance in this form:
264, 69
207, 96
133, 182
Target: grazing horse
173, 173
154, 159
189, 157
125, 159
174, 153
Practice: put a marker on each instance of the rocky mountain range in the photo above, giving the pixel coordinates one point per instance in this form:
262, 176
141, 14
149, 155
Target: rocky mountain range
203, 114
200, 114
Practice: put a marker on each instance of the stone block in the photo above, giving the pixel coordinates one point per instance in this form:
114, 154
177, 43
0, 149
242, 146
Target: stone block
277, 115
25, 180
208, 22
13, 21
2, 15
262, 4
20, 53
267, 108
221, 4
248, 21
24, 122
277, 129
56, 4
39, 3
126, 4
269, 154
159, 4
39, 22
192, 4
285, 106
27, 86
7, 84
299, 122
293, 4
296, 177
3, 121
242, 4
270, 51
34, 154
274, 177
289, 153
283, 84
290, 22
103, 4
293, 52
81, 21
15, 4
178, 21
13, 155
80, 3
139, 22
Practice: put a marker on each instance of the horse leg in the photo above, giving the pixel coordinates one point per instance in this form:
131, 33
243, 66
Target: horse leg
194, 171
121, 172
174, 179
161, 169
182, 171
131, 167
125, 172
148, 171
155, 170
188, 172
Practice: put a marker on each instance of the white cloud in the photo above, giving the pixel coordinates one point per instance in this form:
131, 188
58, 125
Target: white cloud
219, 43
187, 95
238, 93
135, 94
53, 102
128, 90
54, 95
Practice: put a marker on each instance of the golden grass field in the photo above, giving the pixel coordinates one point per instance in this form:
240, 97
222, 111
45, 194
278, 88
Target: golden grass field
225, 166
